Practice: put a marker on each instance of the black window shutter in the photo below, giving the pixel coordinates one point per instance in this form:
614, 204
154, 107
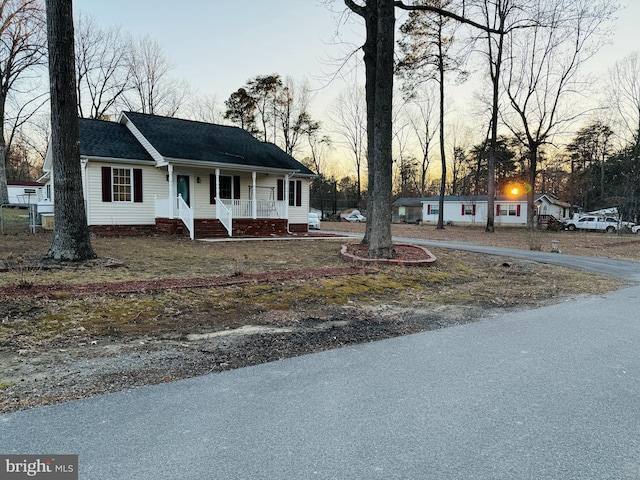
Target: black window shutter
298, 193
137, 185
212, 189
236, 187
280, 189
106, 184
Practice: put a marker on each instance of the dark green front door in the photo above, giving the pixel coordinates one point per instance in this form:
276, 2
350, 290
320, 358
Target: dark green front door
183, 188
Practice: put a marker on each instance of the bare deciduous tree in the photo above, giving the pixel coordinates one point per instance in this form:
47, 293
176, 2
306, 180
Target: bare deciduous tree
22, 48
205, 109
624, 83
349, 115
545, 59
103, 68
153, 90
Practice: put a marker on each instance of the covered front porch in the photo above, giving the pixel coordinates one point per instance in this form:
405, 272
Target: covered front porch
201, 204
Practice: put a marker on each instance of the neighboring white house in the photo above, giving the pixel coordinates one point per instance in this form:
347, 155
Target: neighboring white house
25, 193
472, 209
548, 204
147, 172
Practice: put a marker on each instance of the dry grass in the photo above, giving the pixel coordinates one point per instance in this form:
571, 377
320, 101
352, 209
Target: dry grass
621, 246
458, 278
150, 258
57, 330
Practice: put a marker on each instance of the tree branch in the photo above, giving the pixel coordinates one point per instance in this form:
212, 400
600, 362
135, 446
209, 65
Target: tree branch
445, 13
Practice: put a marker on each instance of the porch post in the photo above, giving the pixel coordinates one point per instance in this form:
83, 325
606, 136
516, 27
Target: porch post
217, 186
172, 199
254, 203
85, 182
286, 198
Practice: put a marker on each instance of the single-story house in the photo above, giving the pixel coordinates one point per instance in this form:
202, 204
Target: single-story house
550, 205
152, 173
472, 209
25, 193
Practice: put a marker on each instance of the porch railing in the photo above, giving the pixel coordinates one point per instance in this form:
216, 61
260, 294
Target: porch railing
225, 216
226, 211
264, 208
163, 207
185, 213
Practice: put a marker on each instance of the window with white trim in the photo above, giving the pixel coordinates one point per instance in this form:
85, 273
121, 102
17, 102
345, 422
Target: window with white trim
295, 193
226, 187
122, 184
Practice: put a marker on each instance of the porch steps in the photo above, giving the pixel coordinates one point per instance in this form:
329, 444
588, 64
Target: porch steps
549, 222
210, 229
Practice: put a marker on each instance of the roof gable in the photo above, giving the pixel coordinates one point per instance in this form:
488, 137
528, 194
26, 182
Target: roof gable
180, 139
102, 139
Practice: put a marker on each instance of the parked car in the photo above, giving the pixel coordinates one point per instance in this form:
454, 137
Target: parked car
354, 217
635, 229
314, 221
590, 222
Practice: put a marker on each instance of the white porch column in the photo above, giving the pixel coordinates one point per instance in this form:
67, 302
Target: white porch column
83, 168
172, 197
254, 203
286, 198
217, 182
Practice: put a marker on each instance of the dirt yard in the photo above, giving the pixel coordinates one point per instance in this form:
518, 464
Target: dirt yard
158, 309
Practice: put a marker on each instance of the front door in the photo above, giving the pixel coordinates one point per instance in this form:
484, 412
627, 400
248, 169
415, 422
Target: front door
183, 188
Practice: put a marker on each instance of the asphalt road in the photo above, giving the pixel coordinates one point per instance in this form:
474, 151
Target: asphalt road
551, 393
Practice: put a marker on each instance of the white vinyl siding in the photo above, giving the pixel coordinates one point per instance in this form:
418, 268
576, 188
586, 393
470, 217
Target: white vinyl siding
123, 212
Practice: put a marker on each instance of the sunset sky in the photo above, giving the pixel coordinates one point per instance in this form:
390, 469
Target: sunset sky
217, 45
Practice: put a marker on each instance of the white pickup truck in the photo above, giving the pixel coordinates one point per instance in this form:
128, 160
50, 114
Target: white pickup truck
594, 223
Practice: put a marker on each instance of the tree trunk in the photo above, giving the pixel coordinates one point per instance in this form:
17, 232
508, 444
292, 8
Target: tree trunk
495, 108
370, 59
4, 192
4, 154
71, 240
380, 243
443, 158
531, 188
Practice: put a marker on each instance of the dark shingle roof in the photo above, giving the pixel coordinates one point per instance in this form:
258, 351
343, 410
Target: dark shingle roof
189, 140
109, 140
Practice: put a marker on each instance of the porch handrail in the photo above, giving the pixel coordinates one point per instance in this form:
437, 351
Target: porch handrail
260, 208
224, 215
163, 207
186, 215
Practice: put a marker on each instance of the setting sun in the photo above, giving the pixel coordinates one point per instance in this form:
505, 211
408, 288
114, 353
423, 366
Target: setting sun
515, 191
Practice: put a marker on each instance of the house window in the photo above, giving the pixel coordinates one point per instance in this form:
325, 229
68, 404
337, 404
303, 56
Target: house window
226, 188
121, 181
433, 209
468, 209
121, 184
229, 188
513, 210
295, 193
